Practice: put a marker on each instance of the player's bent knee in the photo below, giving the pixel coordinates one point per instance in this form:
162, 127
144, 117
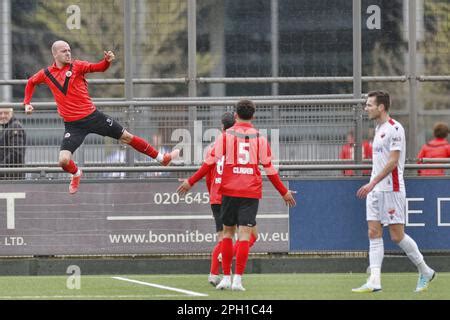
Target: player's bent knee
63, 162
373, 234
396, 238
126, 137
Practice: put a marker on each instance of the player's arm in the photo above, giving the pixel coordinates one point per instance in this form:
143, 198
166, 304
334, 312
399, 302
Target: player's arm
266, 161
36, 79
392, 162
197, 176
101, 66
208, 164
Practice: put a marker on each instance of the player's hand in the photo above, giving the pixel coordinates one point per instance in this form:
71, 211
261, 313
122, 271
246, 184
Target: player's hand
289, 199
109, 55
184, 188
364, 190
29, 109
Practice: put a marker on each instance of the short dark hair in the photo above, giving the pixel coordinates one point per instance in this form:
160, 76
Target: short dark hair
228, 120
245, 109
381, 97
440, 130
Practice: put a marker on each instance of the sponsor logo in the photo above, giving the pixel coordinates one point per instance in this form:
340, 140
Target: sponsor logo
110, 122
218, 180
67, 135
382, 135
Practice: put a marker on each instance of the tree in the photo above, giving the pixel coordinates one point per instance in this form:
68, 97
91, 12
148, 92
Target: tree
159, 39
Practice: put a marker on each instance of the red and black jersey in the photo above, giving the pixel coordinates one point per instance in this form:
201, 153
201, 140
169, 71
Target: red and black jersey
69, 87
242, 150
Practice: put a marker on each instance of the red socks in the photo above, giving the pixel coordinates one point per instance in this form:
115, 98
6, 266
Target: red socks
242, 256
143, 146
251, 243
215, 264
227, 255
71, 167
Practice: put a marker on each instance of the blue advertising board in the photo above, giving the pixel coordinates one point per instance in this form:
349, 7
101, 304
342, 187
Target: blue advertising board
329, 216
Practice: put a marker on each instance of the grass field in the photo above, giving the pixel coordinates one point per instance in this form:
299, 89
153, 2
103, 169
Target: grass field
398, 286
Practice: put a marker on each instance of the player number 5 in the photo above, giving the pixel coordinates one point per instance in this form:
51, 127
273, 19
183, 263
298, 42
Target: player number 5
244, 153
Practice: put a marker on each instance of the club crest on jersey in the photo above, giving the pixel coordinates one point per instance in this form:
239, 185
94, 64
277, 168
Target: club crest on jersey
68, 74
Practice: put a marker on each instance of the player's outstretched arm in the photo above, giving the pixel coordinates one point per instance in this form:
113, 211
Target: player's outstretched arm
184, 187
197, 176
289, 198
32, 82
109, 55
29, 109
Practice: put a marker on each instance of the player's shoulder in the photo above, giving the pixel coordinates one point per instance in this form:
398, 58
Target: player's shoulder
80, 63
395, 126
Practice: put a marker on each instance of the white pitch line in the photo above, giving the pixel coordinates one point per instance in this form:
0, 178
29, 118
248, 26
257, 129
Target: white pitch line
190, 293
190, 217
91, 296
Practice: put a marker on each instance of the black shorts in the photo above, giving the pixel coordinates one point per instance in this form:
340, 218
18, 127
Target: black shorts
239, 211
97, 122
217, 217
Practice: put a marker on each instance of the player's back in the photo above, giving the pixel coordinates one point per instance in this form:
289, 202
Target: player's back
244, 150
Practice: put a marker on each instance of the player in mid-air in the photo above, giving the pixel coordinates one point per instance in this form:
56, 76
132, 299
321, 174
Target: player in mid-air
66, 80
213, 181
243, 149
386, 195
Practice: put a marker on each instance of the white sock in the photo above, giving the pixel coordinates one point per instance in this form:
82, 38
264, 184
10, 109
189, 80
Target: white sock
159, 157
237, 278
78, 173
376, 254
409, 246
227, 278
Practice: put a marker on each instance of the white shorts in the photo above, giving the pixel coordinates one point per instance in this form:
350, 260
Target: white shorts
386, 207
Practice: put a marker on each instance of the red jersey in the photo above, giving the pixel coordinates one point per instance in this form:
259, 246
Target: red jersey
238, 152
72, 99
214, 179
436, 148
348, 152
244, 150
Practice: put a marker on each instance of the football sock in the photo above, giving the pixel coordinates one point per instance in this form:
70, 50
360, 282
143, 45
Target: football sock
252, 240
215, 264
235, 247
409, 246
376, 254
242, 256
143, 146
71, 167
227, 255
